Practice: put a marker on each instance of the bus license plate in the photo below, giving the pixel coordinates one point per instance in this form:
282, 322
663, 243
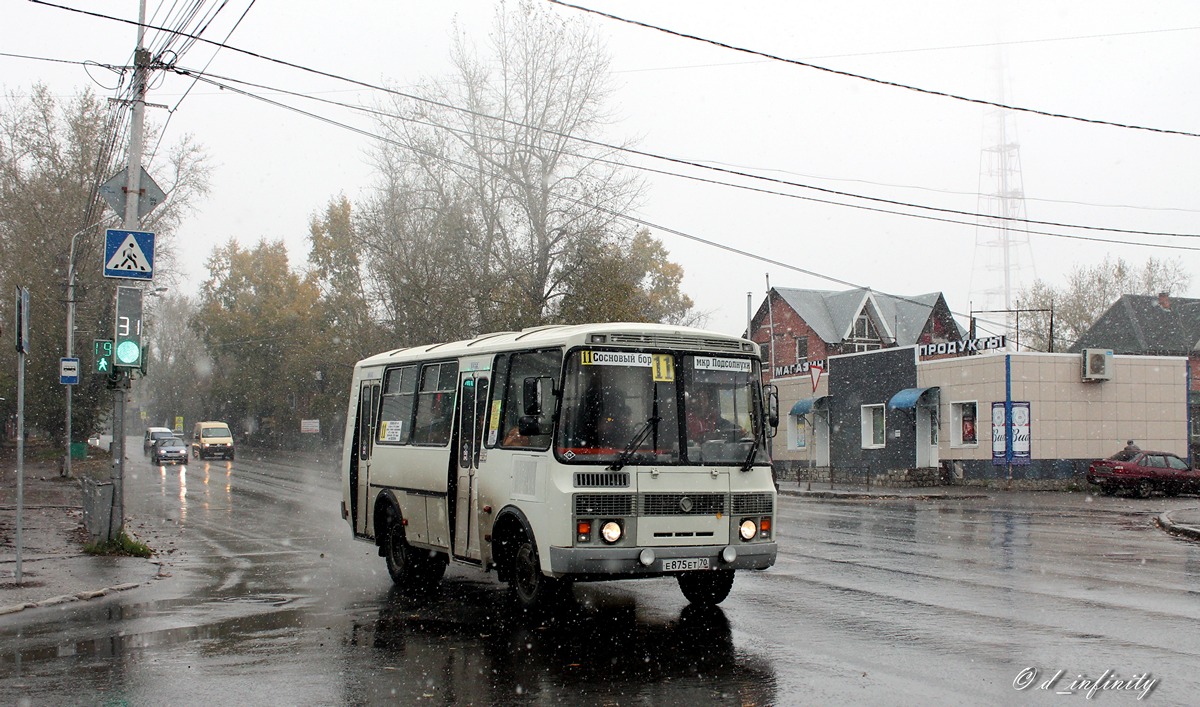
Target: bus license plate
685, 563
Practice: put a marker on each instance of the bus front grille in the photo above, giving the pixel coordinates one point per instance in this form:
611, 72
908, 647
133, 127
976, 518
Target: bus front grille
589, 505
682, 504
752, 504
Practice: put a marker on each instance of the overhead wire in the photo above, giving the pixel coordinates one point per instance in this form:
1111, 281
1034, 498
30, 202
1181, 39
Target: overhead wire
871, 79
620, 215
216, 80
697, 165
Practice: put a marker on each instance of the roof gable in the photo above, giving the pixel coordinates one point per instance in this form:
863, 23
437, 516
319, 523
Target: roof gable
1137, 324
831, 314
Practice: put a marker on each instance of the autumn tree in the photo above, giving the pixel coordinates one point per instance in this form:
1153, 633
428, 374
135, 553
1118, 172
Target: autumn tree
635, 283
1087, 293
495, 189
53, 156
263, 327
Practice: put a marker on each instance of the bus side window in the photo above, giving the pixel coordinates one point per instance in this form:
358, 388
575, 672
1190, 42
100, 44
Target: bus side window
366, 408
435, 404
529, 400
396, 405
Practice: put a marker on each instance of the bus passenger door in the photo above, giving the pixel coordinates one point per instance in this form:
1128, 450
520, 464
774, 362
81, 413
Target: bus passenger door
360, 467
473, 398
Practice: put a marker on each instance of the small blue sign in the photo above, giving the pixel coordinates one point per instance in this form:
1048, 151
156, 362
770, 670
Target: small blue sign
68, 371
129, 254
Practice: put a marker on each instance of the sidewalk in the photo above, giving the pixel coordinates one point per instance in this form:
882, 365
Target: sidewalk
54, 568
822, 490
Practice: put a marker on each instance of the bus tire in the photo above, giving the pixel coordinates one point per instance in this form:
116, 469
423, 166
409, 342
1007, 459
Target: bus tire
706, 588
410, 568
529, 586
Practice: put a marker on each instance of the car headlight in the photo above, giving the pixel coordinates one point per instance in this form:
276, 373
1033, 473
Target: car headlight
748, 529
610, 531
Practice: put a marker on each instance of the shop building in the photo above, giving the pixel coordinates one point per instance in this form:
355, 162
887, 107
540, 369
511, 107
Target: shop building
994, 417
1154, 325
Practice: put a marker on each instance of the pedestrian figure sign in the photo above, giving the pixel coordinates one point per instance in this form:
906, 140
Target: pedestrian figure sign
129, 254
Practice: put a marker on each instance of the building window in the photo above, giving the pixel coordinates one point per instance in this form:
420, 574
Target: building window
863, 329
801, 348
797, 432
963, 424
864, 336
874, 429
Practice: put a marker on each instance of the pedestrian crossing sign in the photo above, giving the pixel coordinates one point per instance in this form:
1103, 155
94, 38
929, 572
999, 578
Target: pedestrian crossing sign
129, 254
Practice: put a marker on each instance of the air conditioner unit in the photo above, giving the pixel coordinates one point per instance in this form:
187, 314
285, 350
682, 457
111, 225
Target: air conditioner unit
1097, 364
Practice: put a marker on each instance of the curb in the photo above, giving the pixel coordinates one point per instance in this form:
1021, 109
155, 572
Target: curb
865, 495
68, 598
1164, 522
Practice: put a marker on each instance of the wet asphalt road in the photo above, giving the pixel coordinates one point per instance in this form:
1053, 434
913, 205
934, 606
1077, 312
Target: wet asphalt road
871, 602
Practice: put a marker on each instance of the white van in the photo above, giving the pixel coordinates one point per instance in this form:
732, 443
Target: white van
212, 439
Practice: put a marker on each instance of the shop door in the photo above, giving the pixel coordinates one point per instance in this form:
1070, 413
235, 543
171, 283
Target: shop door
927, 436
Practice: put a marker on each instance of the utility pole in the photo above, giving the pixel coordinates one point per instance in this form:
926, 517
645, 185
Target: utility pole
141, 62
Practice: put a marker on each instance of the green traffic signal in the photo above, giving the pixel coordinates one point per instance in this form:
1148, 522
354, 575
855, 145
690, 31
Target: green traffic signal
128, 328
129, 353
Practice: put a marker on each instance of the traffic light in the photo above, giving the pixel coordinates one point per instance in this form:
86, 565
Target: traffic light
102, 352
127, 341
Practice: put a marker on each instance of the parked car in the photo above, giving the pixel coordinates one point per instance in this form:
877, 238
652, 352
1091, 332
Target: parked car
169, 450
153, 434
1143, 472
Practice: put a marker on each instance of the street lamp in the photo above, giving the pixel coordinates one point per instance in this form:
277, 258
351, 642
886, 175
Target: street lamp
71, 328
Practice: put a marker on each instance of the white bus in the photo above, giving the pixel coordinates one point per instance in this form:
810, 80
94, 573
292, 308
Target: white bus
565, 453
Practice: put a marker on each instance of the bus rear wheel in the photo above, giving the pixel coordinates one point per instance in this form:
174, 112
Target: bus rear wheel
706, 588
411, 568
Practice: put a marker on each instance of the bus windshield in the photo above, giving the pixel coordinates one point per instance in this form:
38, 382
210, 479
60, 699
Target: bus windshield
615, 401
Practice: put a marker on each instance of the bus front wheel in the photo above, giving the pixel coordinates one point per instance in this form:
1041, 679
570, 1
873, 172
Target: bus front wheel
706, 588
530, 587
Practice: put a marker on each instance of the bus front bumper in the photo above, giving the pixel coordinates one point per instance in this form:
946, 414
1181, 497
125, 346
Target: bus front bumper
614, 562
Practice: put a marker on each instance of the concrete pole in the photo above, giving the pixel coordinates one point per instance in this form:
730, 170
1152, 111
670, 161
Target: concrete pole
132, 192
66, 469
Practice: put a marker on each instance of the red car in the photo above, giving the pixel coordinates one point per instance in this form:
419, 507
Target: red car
1144, 472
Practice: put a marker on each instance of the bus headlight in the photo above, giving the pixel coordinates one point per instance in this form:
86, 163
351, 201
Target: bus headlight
610, 531
748, 529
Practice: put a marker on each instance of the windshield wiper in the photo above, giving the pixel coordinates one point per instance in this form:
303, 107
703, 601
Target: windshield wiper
749, 463
627, 453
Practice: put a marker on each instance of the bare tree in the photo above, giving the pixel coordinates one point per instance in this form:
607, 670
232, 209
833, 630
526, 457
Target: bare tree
486, 178
1086, 295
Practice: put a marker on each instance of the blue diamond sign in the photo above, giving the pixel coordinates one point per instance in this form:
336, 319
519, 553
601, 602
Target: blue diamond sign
129, 254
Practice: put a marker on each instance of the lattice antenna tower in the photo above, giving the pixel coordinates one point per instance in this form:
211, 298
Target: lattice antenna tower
1003, 257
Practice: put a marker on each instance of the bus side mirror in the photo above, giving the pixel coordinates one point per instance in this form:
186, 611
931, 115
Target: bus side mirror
531, 395
772, 405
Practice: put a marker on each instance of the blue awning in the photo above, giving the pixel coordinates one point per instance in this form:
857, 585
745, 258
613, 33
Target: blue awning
805, 405
908, 398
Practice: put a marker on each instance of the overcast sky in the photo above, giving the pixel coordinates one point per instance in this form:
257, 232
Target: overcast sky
1121, 62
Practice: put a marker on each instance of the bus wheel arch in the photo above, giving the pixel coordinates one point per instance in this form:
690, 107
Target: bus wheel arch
519, 564
510, 528
410, 568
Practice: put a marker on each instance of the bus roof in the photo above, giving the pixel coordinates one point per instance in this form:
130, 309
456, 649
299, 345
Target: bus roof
614, 334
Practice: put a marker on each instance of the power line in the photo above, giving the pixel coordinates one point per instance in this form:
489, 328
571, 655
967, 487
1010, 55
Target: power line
861, 77
834, 192
212, 79
619, 215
